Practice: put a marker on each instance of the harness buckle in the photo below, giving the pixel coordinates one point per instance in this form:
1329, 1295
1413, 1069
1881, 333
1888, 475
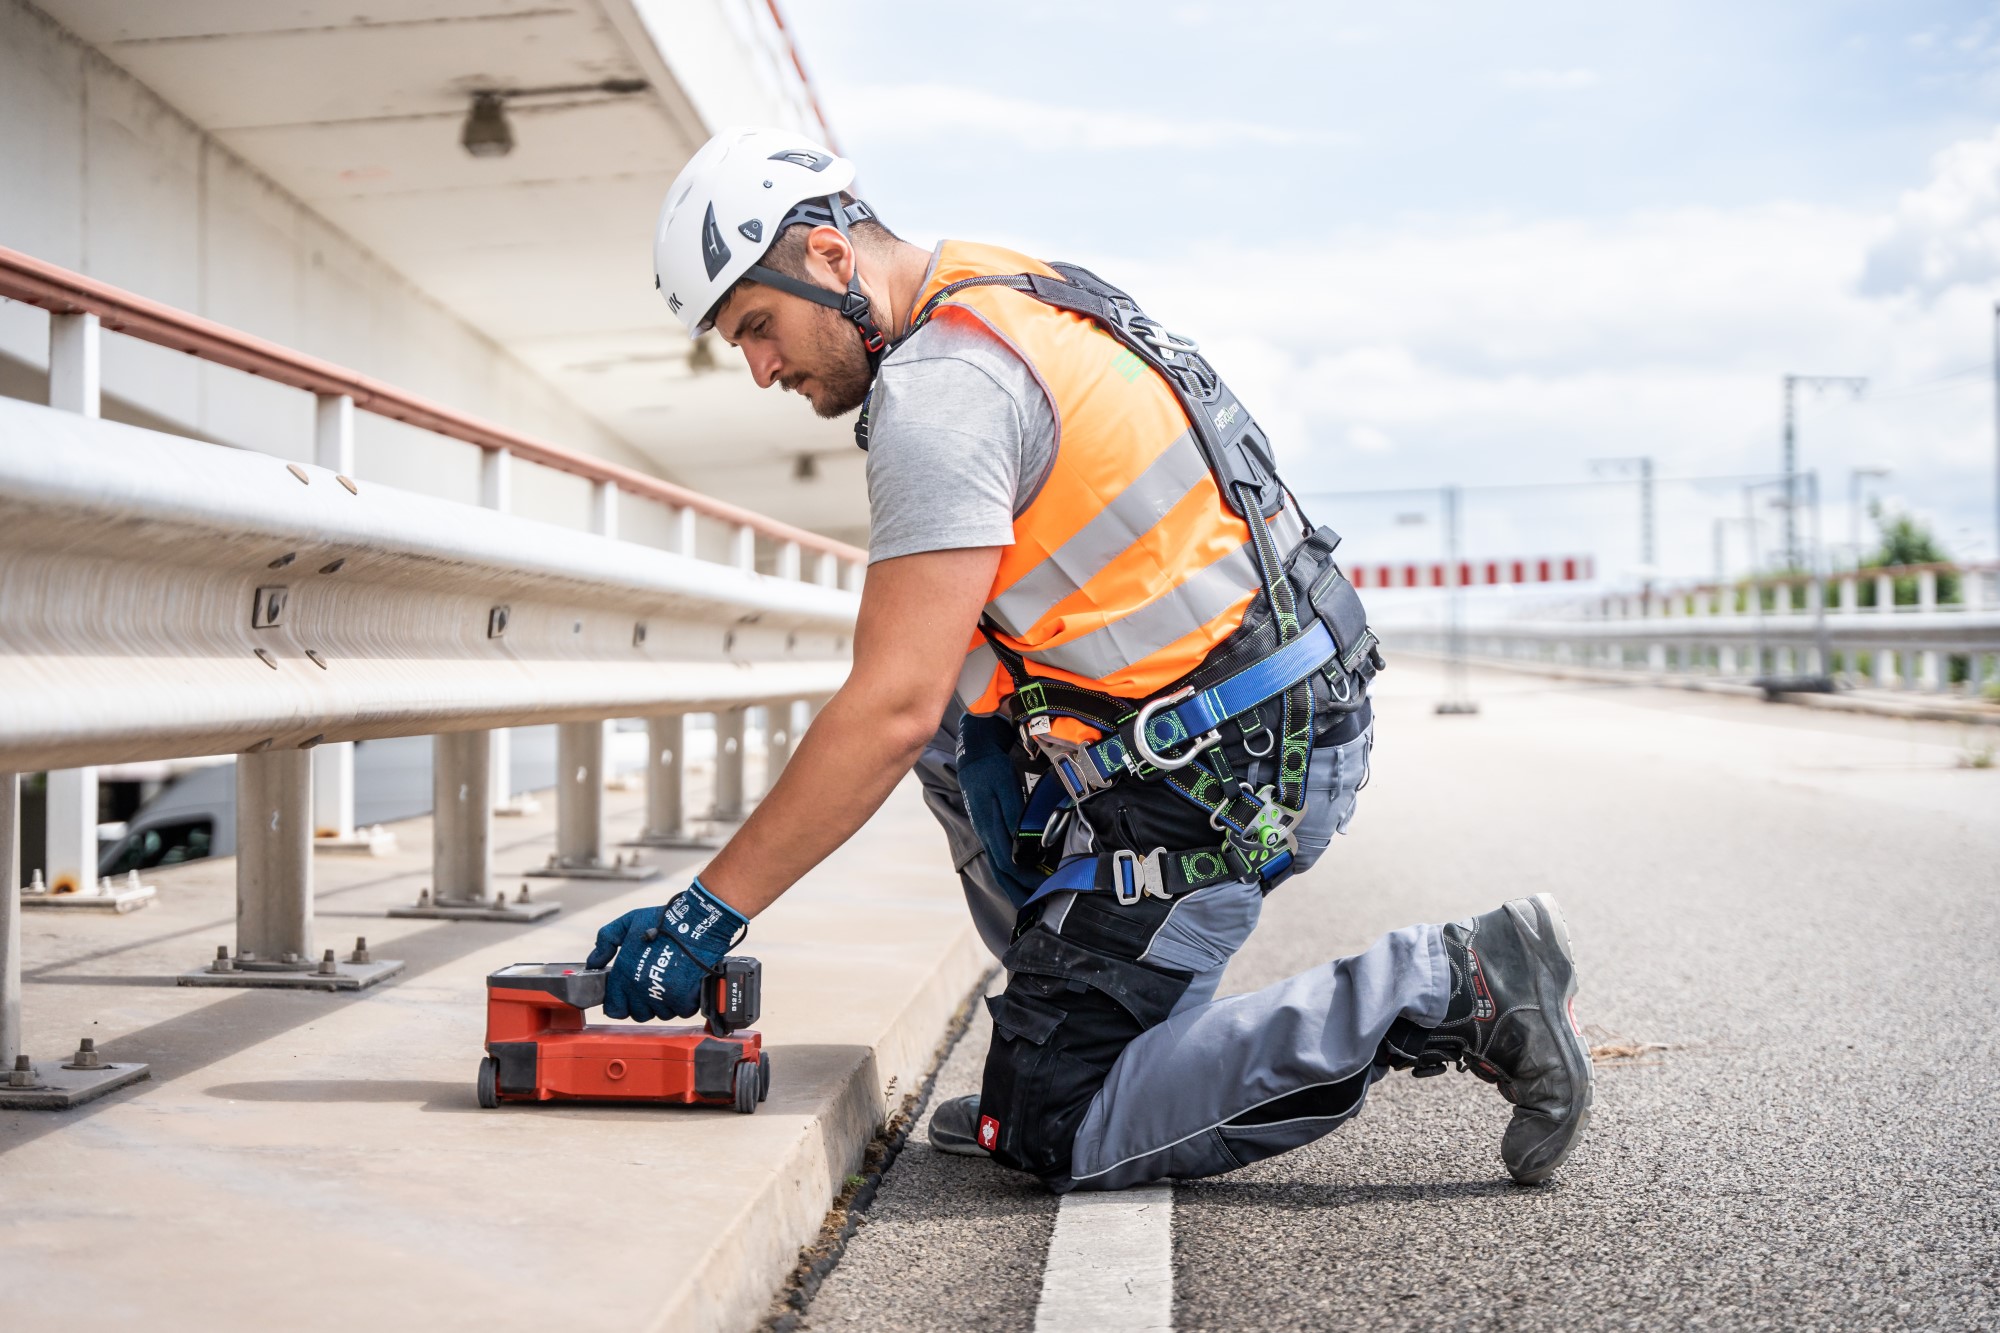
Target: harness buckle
1146, 751
1134, 876
1271, 832
1071, 767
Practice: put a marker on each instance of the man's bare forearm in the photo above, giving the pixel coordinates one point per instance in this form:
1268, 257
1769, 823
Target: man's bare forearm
843, 769
917, 615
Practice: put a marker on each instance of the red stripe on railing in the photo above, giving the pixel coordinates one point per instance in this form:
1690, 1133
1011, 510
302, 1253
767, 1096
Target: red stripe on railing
57, 289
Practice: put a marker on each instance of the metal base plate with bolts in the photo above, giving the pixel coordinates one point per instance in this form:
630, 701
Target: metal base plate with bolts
633, 871
358, 971
1458, 708
673, 842
496, 908
373, 841
57, 1087
113, 895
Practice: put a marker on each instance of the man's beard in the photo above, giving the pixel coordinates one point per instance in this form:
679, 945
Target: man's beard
841, 373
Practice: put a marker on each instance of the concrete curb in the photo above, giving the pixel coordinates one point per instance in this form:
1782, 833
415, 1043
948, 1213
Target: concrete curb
754, 1251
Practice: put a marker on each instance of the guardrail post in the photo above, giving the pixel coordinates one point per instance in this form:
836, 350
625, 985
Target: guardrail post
743, 547
1887, 669
826, 569
790, 560
1929, 674
496, 492
76, 377
27, 1084
666, 785
579, 852
779, 734
728, 764
1786, 659
1818, 655
604, 509
10, 920
462, 838
333, 765
274, 887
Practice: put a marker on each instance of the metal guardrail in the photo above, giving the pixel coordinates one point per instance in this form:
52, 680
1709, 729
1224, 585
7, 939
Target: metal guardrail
1729, 632
161, 597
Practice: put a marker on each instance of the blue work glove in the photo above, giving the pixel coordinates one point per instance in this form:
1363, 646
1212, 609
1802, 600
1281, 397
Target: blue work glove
664, 954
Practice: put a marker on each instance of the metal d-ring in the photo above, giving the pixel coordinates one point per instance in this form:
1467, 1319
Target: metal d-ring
1157, 760
1270, 742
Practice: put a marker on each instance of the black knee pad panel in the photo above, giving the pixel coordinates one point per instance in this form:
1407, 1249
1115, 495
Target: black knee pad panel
1065, 1016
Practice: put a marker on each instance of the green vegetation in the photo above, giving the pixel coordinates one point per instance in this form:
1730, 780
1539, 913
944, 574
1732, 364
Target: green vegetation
1906, 541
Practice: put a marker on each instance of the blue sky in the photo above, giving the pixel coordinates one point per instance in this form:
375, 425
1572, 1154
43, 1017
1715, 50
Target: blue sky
1483, 244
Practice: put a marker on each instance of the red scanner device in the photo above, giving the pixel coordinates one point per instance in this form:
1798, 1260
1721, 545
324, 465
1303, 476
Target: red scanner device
539, 1049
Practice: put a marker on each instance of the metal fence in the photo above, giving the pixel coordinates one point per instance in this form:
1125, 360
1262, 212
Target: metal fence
162, 597
1887, 628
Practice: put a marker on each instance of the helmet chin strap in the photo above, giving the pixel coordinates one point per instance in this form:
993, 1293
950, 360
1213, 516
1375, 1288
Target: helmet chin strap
852, 303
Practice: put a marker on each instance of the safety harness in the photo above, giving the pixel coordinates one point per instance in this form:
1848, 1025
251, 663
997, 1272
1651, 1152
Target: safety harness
1175, 739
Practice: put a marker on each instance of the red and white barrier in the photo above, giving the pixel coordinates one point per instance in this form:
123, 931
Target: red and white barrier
1476, 573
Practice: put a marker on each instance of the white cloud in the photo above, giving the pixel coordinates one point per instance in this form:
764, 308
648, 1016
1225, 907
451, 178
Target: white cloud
1549, 80
1948, 232
885, 112
1498, 351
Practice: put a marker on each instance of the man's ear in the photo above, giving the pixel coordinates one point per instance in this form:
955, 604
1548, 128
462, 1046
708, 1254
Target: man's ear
827, 249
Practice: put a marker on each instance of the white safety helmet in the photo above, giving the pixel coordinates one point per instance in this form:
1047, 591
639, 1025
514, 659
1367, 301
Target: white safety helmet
729, 204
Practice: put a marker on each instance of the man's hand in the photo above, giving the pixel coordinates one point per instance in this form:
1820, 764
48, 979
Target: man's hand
664, 954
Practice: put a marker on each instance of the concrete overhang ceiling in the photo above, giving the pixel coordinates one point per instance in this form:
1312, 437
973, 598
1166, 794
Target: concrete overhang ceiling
546, 250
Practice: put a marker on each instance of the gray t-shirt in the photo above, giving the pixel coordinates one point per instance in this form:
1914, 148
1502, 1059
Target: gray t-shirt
960, 438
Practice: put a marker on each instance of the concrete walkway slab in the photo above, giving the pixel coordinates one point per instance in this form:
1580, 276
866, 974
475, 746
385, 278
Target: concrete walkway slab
316, 1161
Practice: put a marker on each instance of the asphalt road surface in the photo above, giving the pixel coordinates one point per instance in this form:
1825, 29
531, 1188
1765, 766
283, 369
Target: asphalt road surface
1789, 918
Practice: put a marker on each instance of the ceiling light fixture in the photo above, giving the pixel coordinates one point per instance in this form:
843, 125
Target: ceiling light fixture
487, 132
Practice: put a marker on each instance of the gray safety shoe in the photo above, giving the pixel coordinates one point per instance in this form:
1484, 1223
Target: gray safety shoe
1511, 1022
955, 1127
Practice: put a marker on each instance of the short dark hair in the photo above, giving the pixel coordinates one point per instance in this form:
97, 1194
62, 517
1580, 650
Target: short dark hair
787, 254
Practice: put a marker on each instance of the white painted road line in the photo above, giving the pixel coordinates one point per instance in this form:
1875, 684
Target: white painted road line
1111, 1264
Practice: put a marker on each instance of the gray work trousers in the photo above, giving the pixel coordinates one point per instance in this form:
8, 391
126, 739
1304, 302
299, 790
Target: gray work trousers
1223, 1083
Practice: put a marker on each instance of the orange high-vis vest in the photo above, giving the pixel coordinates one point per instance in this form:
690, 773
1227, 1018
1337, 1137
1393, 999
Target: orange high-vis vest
1127, 569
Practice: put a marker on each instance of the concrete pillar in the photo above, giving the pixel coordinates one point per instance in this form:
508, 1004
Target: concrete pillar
729, 764
10, 920
579, 793
666, 748
461, 817
274, 902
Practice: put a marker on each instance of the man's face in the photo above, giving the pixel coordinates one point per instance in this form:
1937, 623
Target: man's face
797, 345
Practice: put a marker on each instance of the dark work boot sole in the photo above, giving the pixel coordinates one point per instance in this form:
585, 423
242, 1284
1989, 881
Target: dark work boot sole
1536, 1144
955, 1127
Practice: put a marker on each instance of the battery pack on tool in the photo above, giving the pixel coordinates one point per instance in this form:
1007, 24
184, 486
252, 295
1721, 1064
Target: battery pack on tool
539, 1049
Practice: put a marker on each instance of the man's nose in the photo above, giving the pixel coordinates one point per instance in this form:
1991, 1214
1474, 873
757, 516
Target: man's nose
763, 363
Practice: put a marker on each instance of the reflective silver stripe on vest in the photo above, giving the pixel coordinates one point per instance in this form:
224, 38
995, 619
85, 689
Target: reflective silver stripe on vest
1130, 515
976, 674
1181, 611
